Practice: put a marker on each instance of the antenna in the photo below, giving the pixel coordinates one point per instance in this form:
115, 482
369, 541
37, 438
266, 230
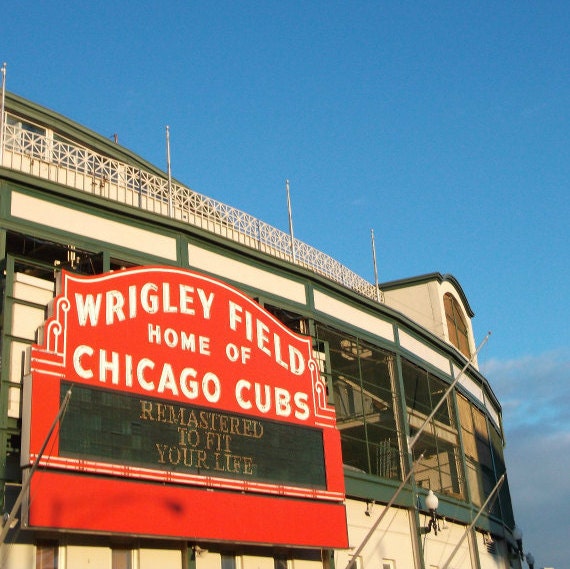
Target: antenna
2, 106
290, 221
375, 266
169, 171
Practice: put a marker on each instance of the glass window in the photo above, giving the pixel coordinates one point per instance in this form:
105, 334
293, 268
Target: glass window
229, 561
47, 555
362, 377
280, 562
121, 558
482, 450
120, 264
440, 468
456, 326
52, 254
293, 321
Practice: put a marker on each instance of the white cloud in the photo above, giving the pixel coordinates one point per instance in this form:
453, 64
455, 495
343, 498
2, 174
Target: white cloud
538, 469
534, 391
535, 395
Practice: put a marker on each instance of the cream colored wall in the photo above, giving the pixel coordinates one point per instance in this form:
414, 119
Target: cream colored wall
391, 540
236, 271
497, 560
18, 556
424, 351
438, 548
305, 564
209, 560
421, 303
255, 562
93, 226
32, 289
25, 321
84, 557
158, 559
363, 320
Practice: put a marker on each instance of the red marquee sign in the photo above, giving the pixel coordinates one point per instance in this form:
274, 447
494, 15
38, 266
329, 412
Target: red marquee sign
194, 414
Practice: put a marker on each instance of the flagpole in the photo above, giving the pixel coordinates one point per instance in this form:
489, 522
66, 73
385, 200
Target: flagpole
411, 444
10, 518
375, 265
290, 221
381, 517
2, 108
169, 171
466, 533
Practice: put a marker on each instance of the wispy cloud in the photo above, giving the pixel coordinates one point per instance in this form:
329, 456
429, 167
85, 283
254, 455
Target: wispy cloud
535, 394
534, 391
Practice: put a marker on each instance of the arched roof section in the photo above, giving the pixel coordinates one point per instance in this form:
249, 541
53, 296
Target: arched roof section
429, 277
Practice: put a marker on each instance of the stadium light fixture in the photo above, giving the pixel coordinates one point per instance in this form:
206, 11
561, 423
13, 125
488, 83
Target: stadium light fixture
432, 502
518, 535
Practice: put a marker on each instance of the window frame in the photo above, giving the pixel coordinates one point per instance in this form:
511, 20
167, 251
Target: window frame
457, 327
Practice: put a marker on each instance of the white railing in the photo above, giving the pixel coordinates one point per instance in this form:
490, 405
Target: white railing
64, 162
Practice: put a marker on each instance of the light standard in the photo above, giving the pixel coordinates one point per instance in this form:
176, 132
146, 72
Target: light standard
518, 535
432, 502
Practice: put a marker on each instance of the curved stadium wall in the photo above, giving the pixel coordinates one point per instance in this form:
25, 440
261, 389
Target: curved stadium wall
73, 200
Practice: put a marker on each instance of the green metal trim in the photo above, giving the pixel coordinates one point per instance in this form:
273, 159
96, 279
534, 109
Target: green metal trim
89, 244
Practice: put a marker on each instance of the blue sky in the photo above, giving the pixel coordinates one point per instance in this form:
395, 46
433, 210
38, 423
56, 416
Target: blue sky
443, 126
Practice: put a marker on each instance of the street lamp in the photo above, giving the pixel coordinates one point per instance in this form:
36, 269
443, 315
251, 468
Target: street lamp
432, 502
518, 535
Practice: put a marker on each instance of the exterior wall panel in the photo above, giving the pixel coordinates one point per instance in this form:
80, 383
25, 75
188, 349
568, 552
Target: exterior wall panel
363, 346
160, 558
391, 539
245, 274
424, 352
87, 557
358, 318
52, 215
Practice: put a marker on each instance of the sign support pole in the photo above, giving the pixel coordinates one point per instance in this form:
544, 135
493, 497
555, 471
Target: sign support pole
11, 517
411, 444
2, 112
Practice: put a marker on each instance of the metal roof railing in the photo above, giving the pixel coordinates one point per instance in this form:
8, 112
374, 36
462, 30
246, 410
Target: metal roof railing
39, 152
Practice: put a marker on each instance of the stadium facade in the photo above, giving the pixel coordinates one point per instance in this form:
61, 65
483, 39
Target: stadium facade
185, 386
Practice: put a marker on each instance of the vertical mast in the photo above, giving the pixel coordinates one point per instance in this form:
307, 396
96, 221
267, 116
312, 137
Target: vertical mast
290, 221
2, 108
169, 171
375, 266
11, 517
